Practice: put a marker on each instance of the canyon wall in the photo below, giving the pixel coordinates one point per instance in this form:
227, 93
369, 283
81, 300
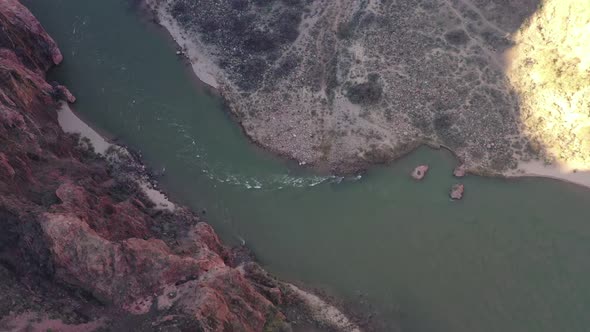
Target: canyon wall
81, 245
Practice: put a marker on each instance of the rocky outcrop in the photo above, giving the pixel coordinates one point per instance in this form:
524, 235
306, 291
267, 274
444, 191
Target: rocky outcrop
456, 192
419, 172
24, 35
128, 273
460, 171
82, 243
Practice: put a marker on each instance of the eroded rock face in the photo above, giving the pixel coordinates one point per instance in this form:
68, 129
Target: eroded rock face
81, 242
35, 48
342, 84
136, 274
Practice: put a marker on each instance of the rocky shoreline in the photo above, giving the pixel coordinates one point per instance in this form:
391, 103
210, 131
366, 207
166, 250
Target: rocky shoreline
84, 247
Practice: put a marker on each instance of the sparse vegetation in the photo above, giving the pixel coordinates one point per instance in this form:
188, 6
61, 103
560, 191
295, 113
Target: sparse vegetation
417, 78
249, 39
366, 93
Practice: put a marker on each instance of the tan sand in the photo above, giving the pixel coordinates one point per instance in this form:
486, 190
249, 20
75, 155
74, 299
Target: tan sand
71, 123
554, 171
326, 312
205, 69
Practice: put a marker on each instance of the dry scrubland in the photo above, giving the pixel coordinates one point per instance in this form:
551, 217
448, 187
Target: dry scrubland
342, 84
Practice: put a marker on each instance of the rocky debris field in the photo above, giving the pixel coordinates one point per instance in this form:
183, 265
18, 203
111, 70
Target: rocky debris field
82, 248
343, 84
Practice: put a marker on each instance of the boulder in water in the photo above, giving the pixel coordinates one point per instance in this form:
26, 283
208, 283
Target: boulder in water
459, 171
420, 172
457, 191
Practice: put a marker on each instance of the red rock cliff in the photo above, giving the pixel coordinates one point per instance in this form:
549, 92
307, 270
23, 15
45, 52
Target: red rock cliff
80, 243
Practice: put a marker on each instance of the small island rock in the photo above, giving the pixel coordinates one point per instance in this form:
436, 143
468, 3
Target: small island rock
459, 171
419, 172
457, 191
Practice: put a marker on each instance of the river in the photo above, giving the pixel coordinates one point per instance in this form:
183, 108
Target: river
511, 256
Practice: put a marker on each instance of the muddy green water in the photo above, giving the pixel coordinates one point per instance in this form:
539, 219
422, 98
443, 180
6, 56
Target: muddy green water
512, 256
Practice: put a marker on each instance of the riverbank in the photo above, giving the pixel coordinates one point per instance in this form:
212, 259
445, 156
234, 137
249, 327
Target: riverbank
83, 216
301, 98
313, 310
552, 171
200, 61
114, 153
204, 67
399, 247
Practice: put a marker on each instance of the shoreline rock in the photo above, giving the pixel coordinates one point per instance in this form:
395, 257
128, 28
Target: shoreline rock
460, 171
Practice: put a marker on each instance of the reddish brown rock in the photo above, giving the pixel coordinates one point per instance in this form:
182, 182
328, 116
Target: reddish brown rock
89, 238
129, 273
39, 50
457, 191
459, 171
420, 172
6, 170
64, 93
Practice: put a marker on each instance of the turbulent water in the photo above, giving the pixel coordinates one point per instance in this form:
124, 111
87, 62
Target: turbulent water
512, 256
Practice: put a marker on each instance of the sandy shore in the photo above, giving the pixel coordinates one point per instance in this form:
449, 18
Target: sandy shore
558, 172
326, 312
70, 123
205, 69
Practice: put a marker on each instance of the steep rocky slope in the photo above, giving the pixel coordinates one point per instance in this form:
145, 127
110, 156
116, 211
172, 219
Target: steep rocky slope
342, 84
83, 248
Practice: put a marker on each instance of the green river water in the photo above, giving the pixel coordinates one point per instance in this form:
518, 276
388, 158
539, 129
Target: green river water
512, 256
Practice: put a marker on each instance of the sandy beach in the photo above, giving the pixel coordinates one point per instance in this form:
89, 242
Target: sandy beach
205, 69
554, 171
70, 123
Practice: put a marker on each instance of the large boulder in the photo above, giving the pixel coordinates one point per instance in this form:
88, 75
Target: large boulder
460, 171
457, 191
420, 172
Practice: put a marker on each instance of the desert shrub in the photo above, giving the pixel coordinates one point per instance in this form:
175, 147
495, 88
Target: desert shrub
239, 4
457, 37
446, 132
443, 122
366, 93
260, 41
287, 65
288, 25
292, 3
262, 2
252, 73
344, 30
